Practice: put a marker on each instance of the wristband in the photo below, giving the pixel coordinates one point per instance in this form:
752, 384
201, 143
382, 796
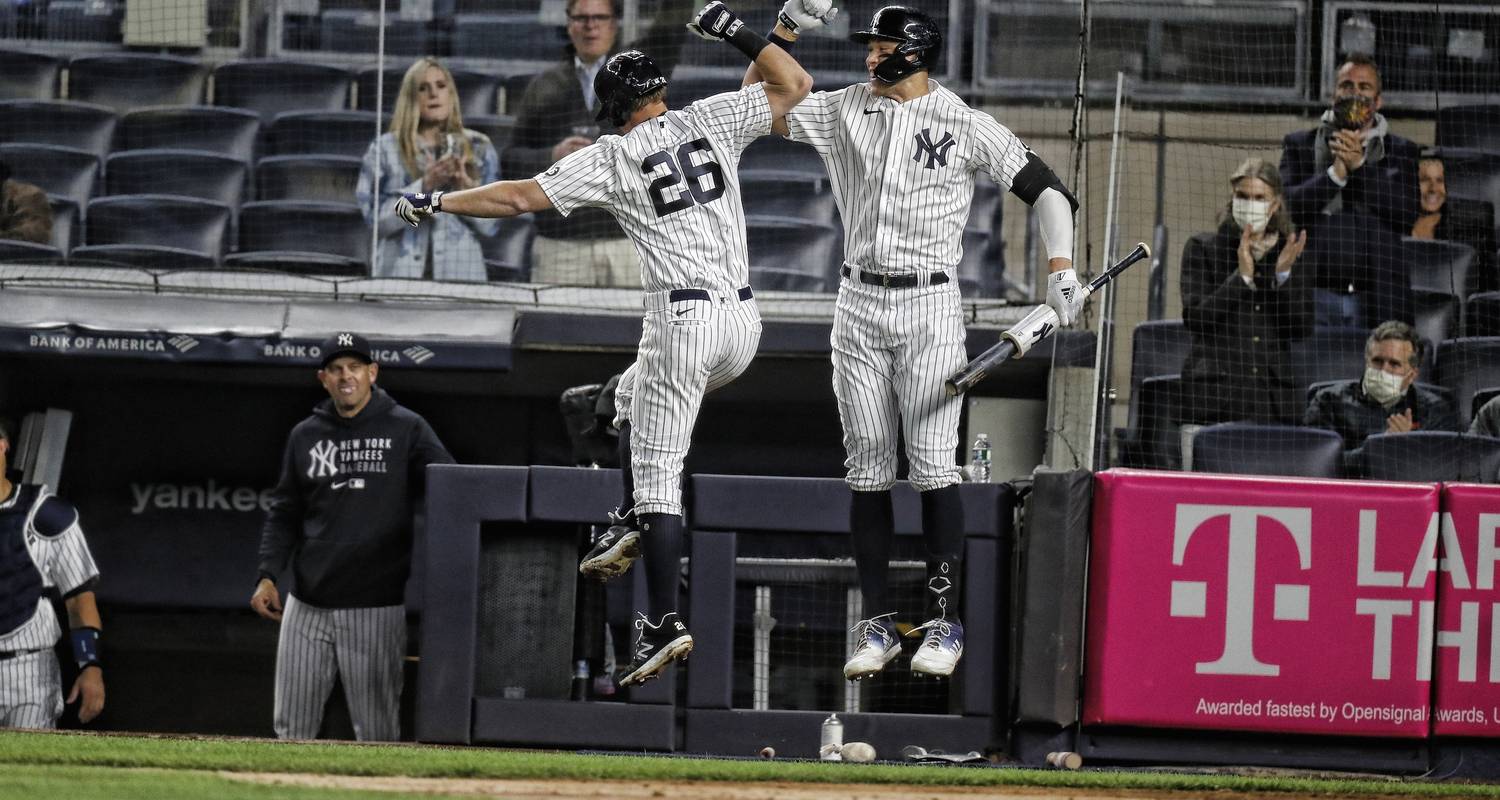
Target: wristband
437, 200
86, 647
777, 39
747, 41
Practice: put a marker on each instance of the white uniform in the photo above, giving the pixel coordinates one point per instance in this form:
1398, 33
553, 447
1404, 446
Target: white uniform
673, 184
41, 548
903, 178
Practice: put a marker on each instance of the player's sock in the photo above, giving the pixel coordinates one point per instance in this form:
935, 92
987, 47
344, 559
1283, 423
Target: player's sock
661, 536
627, 475
872, 526
943, 535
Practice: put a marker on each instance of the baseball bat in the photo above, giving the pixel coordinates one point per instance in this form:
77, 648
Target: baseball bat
1019, 338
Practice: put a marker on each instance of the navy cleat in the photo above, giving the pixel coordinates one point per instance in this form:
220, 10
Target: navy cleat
876, 643
941, 648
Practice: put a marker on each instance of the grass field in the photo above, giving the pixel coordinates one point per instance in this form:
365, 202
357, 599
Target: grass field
82, 766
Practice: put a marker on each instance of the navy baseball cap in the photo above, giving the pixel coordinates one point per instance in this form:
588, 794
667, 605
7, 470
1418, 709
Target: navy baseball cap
345, 344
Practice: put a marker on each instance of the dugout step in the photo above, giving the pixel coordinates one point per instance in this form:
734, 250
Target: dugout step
796, 734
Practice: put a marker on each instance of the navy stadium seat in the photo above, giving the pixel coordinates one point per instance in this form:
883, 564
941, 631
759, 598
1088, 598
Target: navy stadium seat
806, 198
1243, 448
358, 31
792, 244
1482, 315
14, 251
313, 177
1465, 366
1437, 266
154, 231
65, 223
270, 86
1157, 347
1474, 175
519, 36
84, 126
334, 133
507, 254
496, 126
1329, 355
124, 81
83, 20
1469, 126
189, 173
307, 226
230, 132
62, 171
1430, 456
297, 263
25, 75
771, 157
695, 83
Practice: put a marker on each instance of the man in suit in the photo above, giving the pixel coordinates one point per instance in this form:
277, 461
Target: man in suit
1353, 184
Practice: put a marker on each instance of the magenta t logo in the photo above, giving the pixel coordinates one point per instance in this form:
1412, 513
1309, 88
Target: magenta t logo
1190, 598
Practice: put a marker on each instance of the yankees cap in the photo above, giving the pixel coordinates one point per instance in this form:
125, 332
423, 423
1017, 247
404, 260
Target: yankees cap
345, 344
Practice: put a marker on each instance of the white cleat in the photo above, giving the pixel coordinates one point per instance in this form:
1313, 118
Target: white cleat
876, 644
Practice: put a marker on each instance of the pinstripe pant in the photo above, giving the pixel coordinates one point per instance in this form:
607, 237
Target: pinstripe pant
892, 350
363, 645
30, 691
688, 348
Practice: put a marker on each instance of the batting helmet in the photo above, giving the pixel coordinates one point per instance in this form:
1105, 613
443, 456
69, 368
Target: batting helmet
625, 77
917, 37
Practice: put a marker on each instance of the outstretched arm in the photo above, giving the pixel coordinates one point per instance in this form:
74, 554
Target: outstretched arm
498, 199
786, 82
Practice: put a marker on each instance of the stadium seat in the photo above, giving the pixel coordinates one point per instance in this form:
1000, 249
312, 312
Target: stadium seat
695, 83
328, 178
142, 256
124, 81
305, 226
66, 124
62, 171
1243, 448
1329, 355
84, 20
271, 86
476, 92
496, 126
1466, 365
297, 263
157, 220
13, 251
1437, 315
772, 157
65, 223
1154, 442
793, 244
802, 197
518, 36
28, 76
334, 133
1482, 315
1436, 266
229, 132
358, 31
786, 280
188, 173
364, 88
1469, 126
513, 88
1430, 456
1157, 347
510, 247
1473, 174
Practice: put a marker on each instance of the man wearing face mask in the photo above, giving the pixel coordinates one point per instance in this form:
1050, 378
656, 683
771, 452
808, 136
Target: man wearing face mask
1245, 298
1353, 184
1387, 399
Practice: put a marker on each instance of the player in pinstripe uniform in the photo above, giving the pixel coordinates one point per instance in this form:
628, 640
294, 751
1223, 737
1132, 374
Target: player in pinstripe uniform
901, 153
42, 551
671, 180
340, 522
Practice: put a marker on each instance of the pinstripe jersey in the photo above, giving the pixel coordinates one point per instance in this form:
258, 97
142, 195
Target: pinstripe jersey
60, 554
923, 152
673, 184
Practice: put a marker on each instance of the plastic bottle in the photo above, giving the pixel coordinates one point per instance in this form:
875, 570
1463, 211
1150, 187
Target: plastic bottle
979, 465
832, 739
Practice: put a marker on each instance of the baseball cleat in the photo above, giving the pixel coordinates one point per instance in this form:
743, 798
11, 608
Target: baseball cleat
656, 647
615, 550
875, 645
941, 648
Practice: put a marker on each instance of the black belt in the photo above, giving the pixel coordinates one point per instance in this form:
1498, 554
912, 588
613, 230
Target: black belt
6, 655
895, 281
679, 295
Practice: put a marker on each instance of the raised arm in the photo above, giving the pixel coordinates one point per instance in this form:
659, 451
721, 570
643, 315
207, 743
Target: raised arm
786, 82
498, 199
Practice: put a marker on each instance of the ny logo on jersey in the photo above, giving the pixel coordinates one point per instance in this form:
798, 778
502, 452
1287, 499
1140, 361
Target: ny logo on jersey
937, 154
322, 455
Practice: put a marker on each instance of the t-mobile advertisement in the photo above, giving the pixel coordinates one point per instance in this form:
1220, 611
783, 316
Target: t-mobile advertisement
1251, 604
1466, 701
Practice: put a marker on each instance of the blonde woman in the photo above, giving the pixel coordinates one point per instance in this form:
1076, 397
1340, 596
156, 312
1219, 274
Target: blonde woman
427, 149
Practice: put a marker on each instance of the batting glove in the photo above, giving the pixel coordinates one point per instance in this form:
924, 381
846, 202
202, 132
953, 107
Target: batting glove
1065, 295
416, 207
801, 16
715, 22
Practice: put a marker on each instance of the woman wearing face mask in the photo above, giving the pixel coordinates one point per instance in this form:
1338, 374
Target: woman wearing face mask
427, 149
1245, 298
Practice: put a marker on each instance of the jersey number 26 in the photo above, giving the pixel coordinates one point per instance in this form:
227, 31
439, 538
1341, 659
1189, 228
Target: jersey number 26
705, 181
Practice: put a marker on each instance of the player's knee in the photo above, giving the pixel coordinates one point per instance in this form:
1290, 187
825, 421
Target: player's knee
869, 482
927, 480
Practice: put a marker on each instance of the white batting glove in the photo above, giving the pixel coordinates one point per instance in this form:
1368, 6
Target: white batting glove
1065, 295
801, 16
416, 207
715, 22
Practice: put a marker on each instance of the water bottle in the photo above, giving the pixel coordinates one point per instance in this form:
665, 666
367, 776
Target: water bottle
979, 464
833, 739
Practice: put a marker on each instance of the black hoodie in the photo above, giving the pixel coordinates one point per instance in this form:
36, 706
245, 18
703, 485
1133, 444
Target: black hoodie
341, 514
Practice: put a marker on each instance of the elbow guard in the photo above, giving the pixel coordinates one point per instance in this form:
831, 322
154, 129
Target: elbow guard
1035, 177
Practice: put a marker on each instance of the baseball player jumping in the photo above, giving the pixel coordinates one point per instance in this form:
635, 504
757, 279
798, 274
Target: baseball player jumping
671, 179
42, 550
901, 153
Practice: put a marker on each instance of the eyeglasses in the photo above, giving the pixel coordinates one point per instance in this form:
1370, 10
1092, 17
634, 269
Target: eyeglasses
591, 19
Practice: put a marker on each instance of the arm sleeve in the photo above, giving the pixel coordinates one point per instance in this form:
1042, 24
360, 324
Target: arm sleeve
283, 526
489, 172
1209, 295
1389, 189
70, 565
1308, 190
1055, 223
735, 119
1444, 417
390, 224
815, 121
1316, 415
582, 178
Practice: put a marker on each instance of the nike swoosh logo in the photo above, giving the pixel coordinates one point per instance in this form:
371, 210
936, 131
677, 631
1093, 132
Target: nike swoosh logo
337, 484
683, 311
873, 110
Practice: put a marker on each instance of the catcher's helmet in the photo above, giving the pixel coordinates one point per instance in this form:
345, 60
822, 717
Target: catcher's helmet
623, 78
915, 34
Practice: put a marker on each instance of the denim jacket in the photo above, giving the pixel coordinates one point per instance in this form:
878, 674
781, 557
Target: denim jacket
456, 254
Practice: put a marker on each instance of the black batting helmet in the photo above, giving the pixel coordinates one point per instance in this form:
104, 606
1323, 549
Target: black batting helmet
917, 37
625, 77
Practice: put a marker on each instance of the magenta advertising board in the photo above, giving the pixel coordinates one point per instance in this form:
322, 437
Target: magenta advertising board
1466, 636
1261, 604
